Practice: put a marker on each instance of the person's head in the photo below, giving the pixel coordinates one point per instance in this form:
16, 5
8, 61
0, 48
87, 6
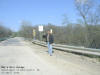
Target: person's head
50, 31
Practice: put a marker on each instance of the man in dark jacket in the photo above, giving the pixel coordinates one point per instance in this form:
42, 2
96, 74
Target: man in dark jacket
45, 36
50, 40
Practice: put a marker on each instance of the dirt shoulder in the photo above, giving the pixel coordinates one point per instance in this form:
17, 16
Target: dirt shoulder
76, 64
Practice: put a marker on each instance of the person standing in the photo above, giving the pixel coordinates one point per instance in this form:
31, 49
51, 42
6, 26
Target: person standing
50, 41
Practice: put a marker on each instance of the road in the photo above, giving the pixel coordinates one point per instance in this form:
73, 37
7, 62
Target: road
20, 57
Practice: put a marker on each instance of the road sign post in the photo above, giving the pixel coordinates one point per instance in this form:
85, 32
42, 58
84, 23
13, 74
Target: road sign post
40, 32
34, 34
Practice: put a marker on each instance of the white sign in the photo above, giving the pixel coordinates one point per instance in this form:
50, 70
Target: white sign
50, 30
40, 28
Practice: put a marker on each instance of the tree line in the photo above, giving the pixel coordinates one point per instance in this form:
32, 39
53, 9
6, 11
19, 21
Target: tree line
4, 32
71, 34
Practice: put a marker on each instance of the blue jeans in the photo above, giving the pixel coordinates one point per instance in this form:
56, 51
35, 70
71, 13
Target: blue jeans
49, 48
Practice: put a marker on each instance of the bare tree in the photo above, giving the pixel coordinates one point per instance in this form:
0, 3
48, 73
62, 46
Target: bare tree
4, 31
26, 29
65, 20
94, 18
84, 8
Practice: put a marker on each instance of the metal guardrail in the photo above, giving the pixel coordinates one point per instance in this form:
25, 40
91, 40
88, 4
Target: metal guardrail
73, 49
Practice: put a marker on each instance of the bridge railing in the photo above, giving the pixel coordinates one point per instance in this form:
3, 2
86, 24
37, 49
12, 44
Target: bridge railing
73, 49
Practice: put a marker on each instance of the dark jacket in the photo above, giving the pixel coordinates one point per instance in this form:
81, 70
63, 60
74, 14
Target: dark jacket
51, 39
45, 37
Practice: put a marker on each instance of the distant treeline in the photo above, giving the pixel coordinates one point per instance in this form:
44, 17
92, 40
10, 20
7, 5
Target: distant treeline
4, 32
72, 34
